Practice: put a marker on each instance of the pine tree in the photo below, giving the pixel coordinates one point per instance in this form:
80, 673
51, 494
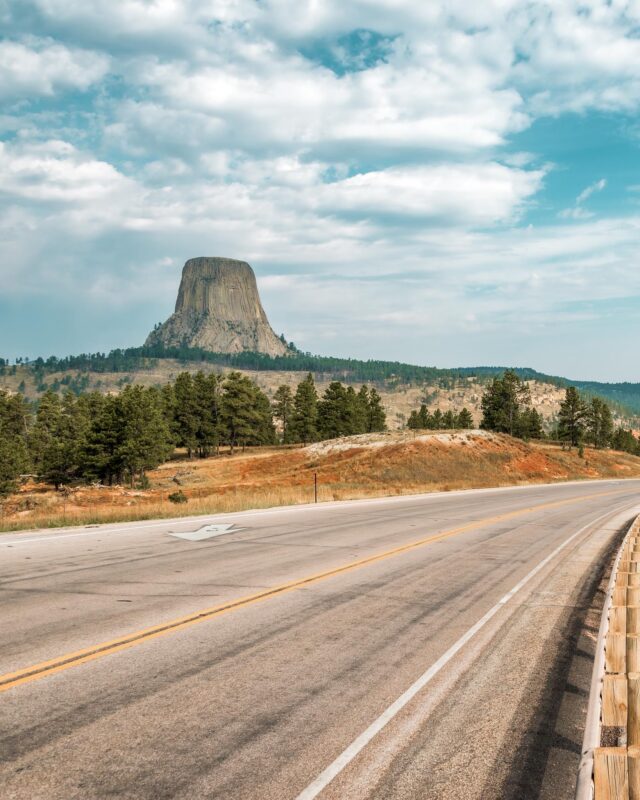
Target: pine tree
571, 417
332, 421
448, 420
598, 423
363, 412
101, 457
305, 416
413, 423
265, 432
503, 403
206, 404
625, 441
283, 410
376, 416
355, 411
186, 422
238, 413
530, 424
14, 458
427, 420
465, 420
146, 438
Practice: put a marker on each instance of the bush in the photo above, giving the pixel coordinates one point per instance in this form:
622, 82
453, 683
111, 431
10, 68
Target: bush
178, 497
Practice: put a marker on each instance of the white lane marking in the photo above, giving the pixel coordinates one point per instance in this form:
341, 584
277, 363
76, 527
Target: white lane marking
302, 507
345, 758
208, 532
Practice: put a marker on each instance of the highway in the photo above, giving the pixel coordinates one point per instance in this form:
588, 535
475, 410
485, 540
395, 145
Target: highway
435, 646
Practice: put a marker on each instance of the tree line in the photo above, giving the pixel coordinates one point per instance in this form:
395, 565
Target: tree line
507, 408
625, 396
438, 420
117, 438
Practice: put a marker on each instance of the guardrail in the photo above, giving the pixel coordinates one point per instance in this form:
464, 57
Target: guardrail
610, 766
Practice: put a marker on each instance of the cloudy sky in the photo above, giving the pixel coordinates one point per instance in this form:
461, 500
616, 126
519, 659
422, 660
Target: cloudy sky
447, 183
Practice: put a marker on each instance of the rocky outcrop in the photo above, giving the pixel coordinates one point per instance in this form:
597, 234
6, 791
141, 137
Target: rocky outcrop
219, 309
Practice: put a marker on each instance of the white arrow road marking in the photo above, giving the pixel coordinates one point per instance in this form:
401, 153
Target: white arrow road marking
208, 532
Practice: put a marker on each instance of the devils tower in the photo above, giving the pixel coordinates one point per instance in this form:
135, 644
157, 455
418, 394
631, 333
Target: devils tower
219, 309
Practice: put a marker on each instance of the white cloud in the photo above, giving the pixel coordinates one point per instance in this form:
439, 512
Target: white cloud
465, 194
42, 67
585, 194
56, 171
578, 211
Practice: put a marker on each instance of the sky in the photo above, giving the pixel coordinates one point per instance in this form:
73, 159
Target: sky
440, 183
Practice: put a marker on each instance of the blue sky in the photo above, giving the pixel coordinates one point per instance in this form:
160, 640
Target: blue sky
439, 183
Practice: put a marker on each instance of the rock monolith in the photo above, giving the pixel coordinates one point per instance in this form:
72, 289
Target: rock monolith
219, 309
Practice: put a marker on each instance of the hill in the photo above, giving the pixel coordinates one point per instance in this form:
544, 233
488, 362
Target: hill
402, 386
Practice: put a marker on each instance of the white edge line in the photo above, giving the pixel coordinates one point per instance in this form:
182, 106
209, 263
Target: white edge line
334, 769
111, 529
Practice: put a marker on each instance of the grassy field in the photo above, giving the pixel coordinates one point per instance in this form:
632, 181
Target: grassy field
371, 465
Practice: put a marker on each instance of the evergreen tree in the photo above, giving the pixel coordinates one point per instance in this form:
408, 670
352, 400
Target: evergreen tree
239, 415
465, 420
530, 424
332, 421
207, 399
146, 438
265, 432
362, 416
598, 423
101, 456
14, 459
448, 420
355, 411
503, 404
571, 417
426, 420
283, 409
376, 416
414, 423
625, 441
186, 420
305, 415
437, 423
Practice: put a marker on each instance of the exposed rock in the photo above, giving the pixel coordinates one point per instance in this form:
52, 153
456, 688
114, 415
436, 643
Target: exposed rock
219, 309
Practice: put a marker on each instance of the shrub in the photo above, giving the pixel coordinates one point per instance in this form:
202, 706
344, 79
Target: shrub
178, 497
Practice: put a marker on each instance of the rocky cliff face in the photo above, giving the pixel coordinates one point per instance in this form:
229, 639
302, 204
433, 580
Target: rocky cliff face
219, 309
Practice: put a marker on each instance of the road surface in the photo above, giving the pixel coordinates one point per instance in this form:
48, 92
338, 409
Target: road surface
434, 646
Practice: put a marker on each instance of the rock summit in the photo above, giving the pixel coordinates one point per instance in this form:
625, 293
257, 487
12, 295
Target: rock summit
219, 309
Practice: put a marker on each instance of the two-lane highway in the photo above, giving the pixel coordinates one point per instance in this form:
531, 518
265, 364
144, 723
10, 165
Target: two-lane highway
416, 647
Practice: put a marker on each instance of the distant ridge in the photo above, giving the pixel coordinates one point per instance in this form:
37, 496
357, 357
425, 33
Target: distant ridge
625, 394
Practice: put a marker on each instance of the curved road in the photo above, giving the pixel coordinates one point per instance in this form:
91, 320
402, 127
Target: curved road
434, 646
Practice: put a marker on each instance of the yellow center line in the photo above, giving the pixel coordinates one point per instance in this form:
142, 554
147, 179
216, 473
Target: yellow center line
45, 668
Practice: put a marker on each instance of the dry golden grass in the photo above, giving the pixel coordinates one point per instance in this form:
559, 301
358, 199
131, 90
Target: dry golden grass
369, 466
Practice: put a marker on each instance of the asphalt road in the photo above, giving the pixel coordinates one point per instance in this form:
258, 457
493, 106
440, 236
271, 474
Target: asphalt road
420, 647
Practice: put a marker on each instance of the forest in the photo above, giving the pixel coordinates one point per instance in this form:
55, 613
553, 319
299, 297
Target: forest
116, 438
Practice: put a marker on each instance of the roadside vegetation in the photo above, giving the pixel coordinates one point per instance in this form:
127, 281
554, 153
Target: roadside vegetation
207, 443
116, 439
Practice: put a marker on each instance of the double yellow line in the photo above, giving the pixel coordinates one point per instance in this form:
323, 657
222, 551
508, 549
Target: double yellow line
44, 669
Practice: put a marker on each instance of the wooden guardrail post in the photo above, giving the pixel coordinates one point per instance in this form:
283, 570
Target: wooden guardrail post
613, 729
611, 773
633, 770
